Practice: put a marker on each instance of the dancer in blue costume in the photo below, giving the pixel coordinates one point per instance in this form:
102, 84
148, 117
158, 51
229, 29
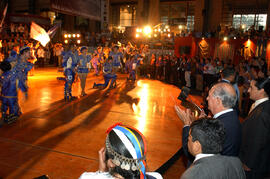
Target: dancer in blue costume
117, 58
132, 67
70, 61
83, 68
4, 67
12, 80
108, 75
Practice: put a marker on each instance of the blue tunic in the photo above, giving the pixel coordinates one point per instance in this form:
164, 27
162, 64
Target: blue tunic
116, 58
82, 65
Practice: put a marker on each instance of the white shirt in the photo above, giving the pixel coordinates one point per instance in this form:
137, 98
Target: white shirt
199, 156
222, 112
259, 101
106, 175
256, 103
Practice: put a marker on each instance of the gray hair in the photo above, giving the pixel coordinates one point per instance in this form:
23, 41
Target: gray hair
228, 96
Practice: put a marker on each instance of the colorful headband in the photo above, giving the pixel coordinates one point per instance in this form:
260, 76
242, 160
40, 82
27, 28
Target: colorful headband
131, 142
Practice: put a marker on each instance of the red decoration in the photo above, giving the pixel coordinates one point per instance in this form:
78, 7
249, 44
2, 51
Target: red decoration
113, 126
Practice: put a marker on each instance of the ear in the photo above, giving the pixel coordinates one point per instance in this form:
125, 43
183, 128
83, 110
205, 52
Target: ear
197, 147
261, 91
218, 100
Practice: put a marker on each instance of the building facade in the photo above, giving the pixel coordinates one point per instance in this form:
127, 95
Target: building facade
193, 15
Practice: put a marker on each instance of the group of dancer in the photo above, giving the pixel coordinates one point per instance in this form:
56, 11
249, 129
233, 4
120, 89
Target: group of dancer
76, 61
81, 64
108, 61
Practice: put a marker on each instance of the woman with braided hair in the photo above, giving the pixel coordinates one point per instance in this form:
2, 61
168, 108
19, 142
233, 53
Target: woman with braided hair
123, 156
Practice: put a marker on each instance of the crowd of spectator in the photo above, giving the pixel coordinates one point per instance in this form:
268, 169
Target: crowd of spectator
16, 36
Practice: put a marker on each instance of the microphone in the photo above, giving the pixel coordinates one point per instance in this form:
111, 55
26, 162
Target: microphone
183, 96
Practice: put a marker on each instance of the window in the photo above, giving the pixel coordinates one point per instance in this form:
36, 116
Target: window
247, 20
127, 16
261, 21
176, 14
190, 23
237, 21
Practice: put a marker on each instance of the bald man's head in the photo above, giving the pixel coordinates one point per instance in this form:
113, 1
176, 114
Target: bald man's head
226, 93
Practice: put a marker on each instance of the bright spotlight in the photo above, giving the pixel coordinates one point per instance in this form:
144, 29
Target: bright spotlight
66, 41
166, 27
155, 30
169, 35
159, 30
234, 38
74, 35
155, 35
180, 26
168, 30
248, 42
137, 35
147, 30
137, 30
65, 35
225, 38
78, 35
203, 38
78, 41
243, 26
69, 35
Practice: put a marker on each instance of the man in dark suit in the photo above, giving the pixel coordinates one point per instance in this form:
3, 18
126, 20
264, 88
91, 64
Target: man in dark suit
255, 148
205, 142
221, 98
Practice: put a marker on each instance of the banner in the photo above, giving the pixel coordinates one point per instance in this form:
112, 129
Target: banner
39, 34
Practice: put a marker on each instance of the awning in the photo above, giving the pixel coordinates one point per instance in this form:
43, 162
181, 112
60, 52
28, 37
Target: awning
86, 8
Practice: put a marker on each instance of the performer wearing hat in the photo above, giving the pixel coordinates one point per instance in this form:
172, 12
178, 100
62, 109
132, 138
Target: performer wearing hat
83, 68
124, 156
117, 58
12, 80
70, 61
108, 75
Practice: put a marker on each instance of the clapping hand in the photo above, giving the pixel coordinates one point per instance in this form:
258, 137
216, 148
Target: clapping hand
185, 115
102, 160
